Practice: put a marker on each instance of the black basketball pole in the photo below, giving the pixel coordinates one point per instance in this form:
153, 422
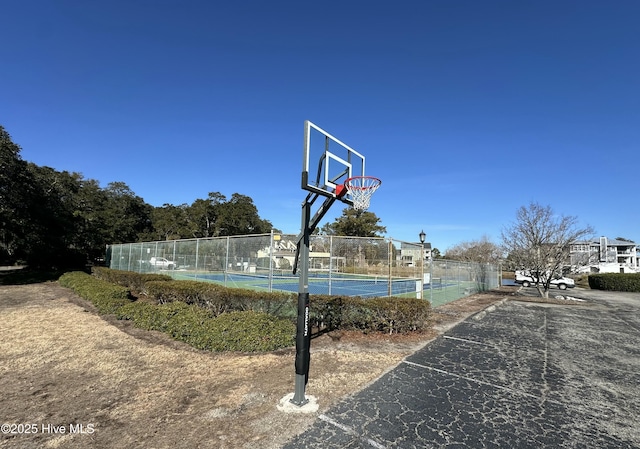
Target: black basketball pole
303, 331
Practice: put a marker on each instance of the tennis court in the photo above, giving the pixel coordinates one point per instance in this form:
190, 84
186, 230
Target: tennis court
339, 265
319, 283
322, 283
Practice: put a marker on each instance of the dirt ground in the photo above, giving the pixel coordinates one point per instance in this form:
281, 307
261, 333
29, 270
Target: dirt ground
72, 379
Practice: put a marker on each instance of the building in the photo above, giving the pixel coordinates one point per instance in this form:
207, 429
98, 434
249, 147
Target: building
283, 256
410, 254
604, 255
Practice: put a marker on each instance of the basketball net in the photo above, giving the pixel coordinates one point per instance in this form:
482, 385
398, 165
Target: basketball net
361, 188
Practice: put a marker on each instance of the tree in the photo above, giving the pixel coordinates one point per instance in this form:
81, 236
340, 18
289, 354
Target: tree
210, 217
539, 242
355, 223
91, 233
126, 217
58, 219
169, 222
481, 251
56, 225
239, 216
202, 215
16, 191
480, 254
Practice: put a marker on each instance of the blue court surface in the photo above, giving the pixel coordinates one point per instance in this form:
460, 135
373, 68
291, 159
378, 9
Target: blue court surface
518, 375
355, 287
365, 286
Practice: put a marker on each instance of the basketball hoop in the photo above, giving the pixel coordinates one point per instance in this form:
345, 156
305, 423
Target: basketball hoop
361, 188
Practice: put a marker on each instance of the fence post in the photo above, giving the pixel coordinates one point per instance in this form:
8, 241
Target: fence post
271, 261
330, 261
196, 264
130, 258
226, 263
389, 259
431, 280
174, 253
458, 277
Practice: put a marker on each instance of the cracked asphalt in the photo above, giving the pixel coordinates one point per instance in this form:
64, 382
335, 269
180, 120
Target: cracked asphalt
517, 375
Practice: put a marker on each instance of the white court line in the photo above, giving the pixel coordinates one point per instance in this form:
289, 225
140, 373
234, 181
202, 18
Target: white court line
351, 431
481, 382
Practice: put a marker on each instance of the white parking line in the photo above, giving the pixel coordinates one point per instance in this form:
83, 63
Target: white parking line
351, 431
481, 382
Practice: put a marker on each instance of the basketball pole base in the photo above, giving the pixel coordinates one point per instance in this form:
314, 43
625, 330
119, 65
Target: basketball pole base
303, 345
299, 398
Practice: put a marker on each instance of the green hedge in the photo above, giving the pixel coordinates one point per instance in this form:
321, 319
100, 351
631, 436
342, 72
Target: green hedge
251, 331
107, 297
394, 314
176, 298
135, 282
391, 315
621, 282
219, 299
246, 331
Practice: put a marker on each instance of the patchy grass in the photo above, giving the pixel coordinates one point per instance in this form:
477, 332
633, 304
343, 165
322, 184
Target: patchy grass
64, 364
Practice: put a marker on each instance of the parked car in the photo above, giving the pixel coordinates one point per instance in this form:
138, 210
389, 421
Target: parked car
526, 279
162, 263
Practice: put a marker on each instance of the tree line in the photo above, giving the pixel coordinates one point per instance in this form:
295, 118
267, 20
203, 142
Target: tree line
58, 219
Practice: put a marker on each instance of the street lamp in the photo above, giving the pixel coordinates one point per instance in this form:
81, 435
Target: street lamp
422, 236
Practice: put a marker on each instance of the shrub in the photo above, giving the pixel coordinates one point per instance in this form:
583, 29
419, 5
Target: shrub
202, 294
247, 331
399, 315
190, 324
326, 312
621, 282
391, 315
135, 282
107, 298
251, 331
235, 331
146, 315
212, 317
274, 303
218, 299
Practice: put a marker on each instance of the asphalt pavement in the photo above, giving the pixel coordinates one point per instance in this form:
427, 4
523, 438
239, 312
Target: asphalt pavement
517, 375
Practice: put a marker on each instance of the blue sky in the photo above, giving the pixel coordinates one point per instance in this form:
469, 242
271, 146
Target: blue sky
466, 110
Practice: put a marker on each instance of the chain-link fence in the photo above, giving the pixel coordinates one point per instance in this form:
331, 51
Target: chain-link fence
348, 266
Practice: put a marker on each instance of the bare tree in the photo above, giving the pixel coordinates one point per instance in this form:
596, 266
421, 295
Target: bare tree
482, 251
539, 242
479, 254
